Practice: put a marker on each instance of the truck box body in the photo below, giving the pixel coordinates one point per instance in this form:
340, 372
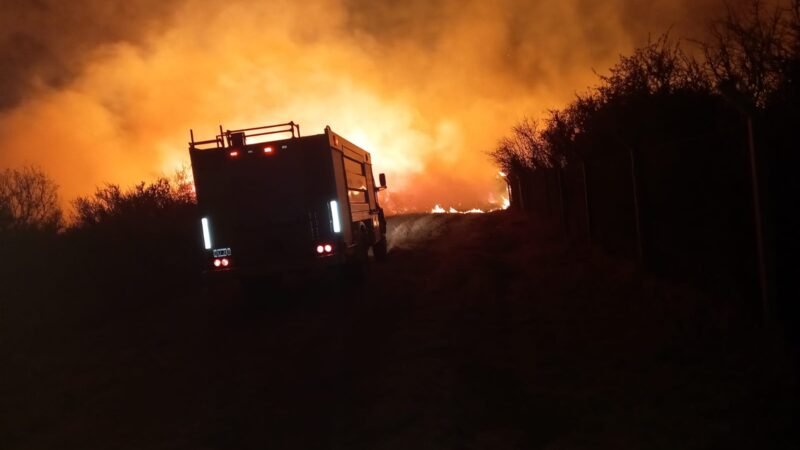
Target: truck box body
272, 206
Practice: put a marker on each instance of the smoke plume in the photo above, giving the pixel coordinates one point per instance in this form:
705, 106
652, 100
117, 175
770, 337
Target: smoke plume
96, 91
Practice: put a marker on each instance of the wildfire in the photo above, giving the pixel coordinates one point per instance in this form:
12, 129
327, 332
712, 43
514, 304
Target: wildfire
437, 209
122, 111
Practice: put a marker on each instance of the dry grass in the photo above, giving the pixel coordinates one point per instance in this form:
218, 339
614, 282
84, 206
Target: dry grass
485, 331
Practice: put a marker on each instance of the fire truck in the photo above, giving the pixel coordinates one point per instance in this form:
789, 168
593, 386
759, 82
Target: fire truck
271, 201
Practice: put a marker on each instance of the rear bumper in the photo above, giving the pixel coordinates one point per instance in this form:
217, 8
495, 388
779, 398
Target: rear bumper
276, 269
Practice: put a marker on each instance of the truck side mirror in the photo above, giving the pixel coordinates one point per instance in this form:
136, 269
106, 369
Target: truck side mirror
382, 178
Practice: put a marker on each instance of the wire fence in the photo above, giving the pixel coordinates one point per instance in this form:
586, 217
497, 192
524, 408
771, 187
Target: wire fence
682, 209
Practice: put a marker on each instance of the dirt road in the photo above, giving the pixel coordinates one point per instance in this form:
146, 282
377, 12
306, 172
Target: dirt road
482, 331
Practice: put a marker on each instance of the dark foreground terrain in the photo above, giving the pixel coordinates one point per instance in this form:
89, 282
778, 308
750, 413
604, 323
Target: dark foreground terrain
482, 331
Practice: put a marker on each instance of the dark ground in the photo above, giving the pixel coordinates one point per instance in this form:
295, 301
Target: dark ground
482, 331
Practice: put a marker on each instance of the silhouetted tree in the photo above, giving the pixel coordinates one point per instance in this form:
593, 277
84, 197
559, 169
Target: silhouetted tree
510, 156
521, 155
523, 149
560, 134
749, 48
660, 67
28, 201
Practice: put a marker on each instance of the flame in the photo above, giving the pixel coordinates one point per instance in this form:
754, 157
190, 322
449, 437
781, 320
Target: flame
439, 210
505, 203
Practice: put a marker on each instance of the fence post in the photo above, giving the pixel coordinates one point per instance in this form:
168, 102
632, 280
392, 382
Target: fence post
562, 207
586, 201
759, 225
636, 207
747, 109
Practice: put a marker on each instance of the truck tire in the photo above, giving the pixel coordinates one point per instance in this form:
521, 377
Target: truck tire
380, 250
355, 270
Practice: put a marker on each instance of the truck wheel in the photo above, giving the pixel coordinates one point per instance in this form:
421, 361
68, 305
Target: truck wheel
355, 270
363, 250
380, 250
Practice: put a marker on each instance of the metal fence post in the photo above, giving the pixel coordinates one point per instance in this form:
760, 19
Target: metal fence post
759, 225
636, 208
586, 201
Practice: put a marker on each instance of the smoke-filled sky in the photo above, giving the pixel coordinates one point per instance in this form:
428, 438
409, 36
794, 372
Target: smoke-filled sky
97, 91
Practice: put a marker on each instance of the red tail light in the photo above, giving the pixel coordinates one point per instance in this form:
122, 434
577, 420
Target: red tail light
234, 153
324, 249
267, 150
220, 263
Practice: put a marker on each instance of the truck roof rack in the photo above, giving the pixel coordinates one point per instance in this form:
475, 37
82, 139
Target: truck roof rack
237, 138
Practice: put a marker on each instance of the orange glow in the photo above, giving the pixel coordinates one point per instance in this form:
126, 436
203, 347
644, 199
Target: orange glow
234, 153
427, 87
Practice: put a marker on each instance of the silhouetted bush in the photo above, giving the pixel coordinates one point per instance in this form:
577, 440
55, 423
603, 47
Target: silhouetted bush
653, 162
145, 205
140, 236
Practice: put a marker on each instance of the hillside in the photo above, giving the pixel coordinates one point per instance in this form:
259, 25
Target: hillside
481, 331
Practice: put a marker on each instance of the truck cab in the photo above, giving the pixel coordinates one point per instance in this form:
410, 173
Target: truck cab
294, 203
